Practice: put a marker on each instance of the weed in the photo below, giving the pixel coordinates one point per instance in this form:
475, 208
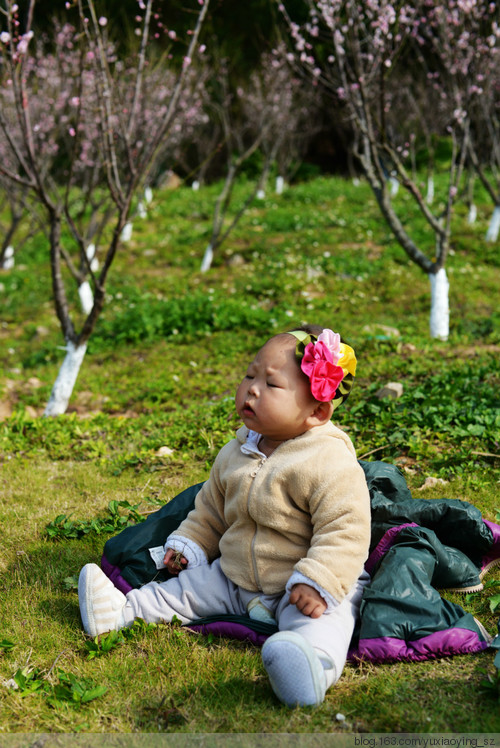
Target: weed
63, 527
105, 643
490, 684
70, 689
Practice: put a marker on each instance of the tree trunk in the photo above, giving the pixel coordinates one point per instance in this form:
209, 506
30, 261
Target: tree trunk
206, 263
440, 310
472, 214
86, 297
68, 373
429, 198
8, 258
494, 227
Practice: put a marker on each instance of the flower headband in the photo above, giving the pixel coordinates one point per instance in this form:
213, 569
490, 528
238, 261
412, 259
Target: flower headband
329, 364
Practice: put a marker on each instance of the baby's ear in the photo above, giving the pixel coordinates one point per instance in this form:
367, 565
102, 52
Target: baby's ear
321, 414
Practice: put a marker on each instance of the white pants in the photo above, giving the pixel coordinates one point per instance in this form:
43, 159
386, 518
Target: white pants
205, 591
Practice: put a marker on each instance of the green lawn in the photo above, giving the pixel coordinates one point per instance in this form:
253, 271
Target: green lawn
161, 371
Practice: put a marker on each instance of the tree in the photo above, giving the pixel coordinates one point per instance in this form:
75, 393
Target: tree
276, 102
84, 158
361, 52
269, 114
484, 143
20, 224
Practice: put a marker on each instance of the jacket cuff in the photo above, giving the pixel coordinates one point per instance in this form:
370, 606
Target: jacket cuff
191, 551
299, 578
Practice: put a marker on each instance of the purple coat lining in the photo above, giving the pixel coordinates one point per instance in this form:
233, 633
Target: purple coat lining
439, 644
382, 649
494, 552
231, 630
113, 572
385, 543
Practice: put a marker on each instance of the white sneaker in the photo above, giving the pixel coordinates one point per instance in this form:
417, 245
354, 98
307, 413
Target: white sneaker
294, 669
101, 604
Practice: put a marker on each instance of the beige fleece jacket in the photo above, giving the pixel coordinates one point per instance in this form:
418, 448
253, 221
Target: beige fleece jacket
305, 508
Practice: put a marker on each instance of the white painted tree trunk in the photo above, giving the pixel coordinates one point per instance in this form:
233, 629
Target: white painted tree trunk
148, 195
280, 185
207, 259
494, 227
394, 186
472, 215
86, 297
94, 262
195, 186
429, 198
126, 234
141, 210
261, 195
63, 386
440, 310
8, 258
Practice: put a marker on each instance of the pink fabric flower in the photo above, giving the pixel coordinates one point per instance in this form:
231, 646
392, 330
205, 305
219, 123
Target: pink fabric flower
313, 354
319, 364
332, 341
325, 379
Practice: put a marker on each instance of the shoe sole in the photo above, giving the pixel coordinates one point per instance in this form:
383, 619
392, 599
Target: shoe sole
84, 599
294, 669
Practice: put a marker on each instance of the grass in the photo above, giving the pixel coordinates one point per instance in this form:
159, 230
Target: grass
161, 372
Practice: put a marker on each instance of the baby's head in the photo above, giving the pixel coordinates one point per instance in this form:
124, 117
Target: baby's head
295, 382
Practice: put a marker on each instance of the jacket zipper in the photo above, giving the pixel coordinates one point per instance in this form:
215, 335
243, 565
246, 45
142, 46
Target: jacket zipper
254, 472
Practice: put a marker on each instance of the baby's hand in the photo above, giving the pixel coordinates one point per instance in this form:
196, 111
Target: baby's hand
174, 561
307, 600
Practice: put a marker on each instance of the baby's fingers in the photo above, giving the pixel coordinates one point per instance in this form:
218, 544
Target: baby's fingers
174, 561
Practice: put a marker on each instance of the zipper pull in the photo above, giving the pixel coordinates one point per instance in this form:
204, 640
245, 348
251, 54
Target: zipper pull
256, 470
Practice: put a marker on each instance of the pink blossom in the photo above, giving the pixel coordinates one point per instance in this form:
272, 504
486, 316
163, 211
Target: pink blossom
22, 47
103, 21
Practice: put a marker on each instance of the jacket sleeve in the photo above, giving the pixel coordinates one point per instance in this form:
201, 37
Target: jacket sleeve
339, 506
205, 524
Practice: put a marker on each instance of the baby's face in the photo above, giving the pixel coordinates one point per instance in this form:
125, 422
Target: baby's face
274, 397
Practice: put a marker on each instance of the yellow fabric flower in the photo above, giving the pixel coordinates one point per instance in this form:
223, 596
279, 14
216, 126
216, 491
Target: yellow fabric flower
348, 359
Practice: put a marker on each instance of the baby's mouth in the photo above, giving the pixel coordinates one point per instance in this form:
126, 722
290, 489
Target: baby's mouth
248, 410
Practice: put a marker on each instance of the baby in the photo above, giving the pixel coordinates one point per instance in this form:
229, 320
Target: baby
279, 531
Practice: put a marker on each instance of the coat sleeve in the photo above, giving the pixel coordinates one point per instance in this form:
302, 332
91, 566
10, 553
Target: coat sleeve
205, 524
339, 506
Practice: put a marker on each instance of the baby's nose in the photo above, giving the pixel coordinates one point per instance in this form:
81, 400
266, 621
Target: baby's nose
253, 389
